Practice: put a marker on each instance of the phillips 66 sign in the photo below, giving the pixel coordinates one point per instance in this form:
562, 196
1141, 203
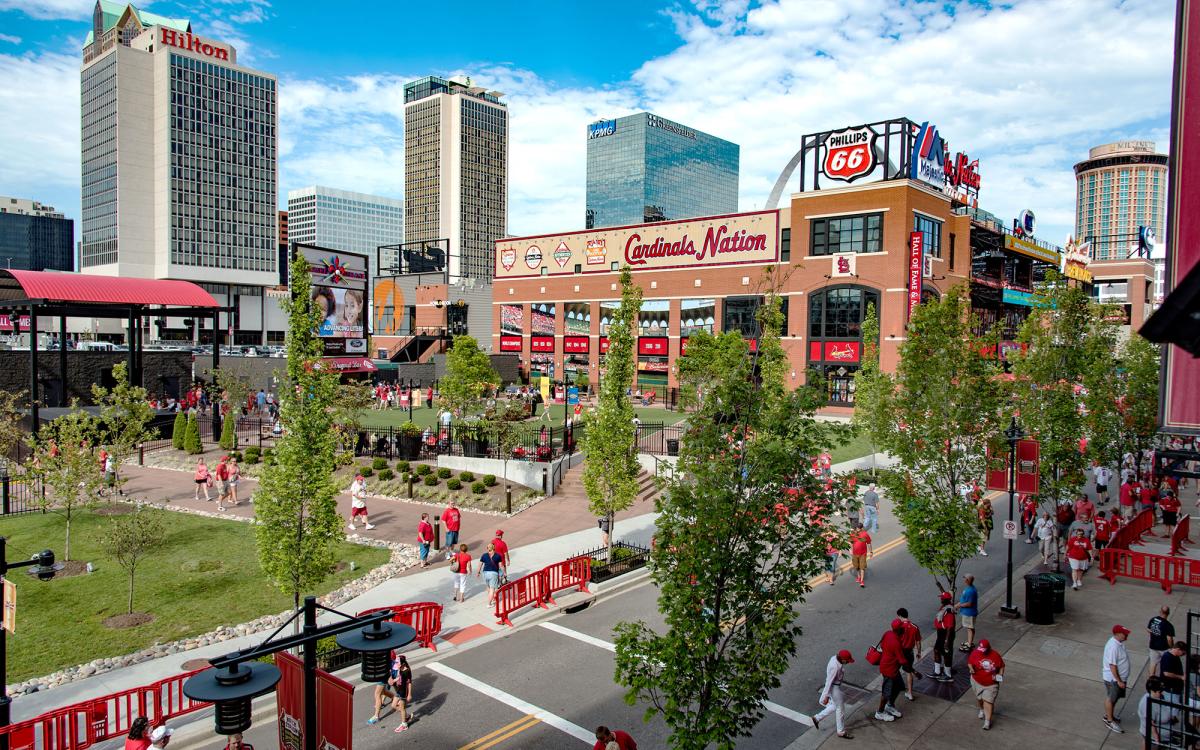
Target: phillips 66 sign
849, 154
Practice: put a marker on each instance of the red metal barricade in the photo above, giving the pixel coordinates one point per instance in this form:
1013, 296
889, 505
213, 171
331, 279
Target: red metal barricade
573, 573
1181, 533
1162, 569
423, 617
518, 594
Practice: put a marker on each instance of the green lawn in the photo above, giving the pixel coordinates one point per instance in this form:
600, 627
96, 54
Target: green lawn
425, 417
206, 575
858, 447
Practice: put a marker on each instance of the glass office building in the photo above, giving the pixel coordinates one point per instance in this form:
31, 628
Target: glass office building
35, 237
645, 168
346, 220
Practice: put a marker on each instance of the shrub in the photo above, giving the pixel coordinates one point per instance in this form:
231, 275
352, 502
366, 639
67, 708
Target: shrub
489, 480
255, 451
423, 469
402, 466
268, 451
228, 439
367, 471
386, 475
178, 430
467, 477
236, 454
268, 460
444, 473
410, 428
379, 464
479, 488
191, 438
454, 483
252, 458
431, 480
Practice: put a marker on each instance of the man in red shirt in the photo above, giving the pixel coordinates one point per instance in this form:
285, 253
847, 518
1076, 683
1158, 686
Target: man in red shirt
1169, 504
1084, 509
1079, 554
424, 539
1128, 498
889, 666
860, 549
943, 647
604, 735
987, 672
1104, 529
910, 641
451, 518
501, 546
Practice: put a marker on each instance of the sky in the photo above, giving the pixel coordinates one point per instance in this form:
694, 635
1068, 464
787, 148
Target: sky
1024, 86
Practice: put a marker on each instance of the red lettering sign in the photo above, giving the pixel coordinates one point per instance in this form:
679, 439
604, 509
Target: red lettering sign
652, 346
683, 346
849, 154
6, 324
604, 344
188, 41
717, 240
510, 343
541, 343
842, 351
576, 344
915, 243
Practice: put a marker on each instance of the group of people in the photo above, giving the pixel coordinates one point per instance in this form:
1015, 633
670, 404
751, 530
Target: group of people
396, 396
225, 477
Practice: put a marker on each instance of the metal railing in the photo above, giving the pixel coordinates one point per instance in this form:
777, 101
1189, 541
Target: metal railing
533, 443
21, 494
625, 558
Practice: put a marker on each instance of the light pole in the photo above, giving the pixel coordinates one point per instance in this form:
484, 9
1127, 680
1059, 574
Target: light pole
45, 570
1014, 433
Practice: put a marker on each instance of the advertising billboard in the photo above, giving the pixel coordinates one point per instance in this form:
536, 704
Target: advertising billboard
339, 291
698, 243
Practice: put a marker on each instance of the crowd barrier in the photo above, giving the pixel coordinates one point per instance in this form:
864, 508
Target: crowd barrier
573, 573
518, 594
1181, 534
1164, 570
1132, 532
81, 725
423, 617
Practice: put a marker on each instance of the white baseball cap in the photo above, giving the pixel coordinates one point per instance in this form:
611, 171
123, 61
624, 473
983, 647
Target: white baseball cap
160, 732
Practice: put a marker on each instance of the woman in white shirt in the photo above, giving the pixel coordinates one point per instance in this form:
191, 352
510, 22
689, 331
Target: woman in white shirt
1044, 528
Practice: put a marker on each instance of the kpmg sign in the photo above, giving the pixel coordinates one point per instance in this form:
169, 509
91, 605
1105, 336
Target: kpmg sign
601, 129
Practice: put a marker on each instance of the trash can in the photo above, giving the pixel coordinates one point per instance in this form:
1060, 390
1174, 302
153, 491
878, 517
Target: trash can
672, 447
1039, 600
1058, 584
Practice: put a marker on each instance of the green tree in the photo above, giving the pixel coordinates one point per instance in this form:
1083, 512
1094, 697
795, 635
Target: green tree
179, 430
63, 460
228, 439
296, 503
1121, 400
469, 376
191, 436
611, 469
12, 415
1067, 339
233, 390
125, 417
936, 416
740, 534
872, 389
131, 538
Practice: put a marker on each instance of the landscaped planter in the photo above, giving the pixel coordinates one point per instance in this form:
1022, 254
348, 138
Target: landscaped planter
409, 446
626, 558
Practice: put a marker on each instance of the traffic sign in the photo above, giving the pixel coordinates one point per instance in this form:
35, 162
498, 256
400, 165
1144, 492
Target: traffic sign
1010, 529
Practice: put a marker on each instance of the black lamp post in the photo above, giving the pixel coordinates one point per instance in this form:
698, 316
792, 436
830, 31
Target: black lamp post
44, 568
236, 678
1014, 433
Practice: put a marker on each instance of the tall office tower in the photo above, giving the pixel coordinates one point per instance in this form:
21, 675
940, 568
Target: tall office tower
179, 162
456, 171
345, 220
35, 237
644, 168
1120, 187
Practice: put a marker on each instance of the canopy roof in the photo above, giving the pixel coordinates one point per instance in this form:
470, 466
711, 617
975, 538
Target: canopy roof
84, 289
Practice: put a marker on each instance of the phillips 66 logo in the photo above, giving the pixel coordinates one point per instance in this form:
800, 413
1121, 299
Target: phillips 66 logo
849, 154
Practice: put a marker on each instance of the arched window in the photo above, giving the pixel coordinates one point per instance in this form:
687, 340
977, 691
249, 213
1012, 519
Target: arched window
835, 317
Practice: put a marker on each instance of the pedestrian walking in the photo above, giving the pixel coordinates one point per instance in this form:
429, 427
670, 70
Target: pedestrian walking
358, 503
832, 556
1102, 475
160, 737
501, 547
202, 480
832, 697
384, 690
605, 737
1079, 555
429, 398
1114, 670
910, 641
222, 476
424, 539
870, 507
986, 522
491, 566
943, 644
891, 659
1044, 530
235, 476
860, 550
1171, 670
968, 608
460, 565
1104, 530
1162, 634
605, 526
402, 681
987, 672
1028, 517
138, 737
451, 519
110, 475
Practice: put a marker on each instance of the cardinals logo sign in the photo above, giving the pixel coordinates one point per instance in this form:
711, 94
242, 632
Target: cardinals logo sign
849, 154
508, 258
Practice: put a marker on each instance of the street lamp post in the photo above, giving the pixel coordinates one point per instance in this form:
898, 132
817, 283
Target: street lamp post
411, 397
45, 570
1014, 433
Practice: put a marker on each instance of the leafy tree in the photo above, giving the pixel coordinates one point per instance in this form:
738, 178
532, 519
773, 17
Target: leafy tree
352, 400
234, 390
64, 461
228, 439
125, 416
1121, 401
296, 506
1067, 340
131, 538
191, 436
469, 375
179, 430
872, 388
12, 414
740, 535
611, 470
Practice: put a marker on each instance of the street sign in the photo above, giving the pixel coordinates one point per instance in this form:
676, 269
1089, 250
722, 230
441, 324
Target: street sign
9, 620
1010, 529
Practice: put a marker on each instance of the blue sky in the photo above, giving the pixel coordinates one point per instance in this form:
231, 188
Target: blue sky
1025, 86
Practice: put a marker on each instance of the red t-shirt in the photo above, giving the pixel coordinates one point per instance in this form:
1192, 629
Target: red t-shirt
944, 619
1084, 509
1169, 503
1078, 548
623, 740
501, 547
425, 532
1103, 529
464, 562
222, 471
451, 518
910, 636
859, 541
893, 654
987, 664
1127, 495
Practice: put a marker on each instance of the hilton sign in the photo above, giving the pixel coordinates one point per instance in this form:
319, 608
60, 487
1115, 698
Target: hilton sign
192, 43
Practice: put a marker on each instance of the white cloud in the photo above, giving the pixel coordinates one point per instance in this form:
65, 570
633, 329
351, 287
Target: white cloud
10, 39
39, 127
50, 9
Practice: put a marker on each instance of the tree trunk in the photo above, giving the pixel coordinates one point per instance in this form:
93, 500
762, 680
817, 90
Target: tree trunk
67, 543
612, 527
131, 591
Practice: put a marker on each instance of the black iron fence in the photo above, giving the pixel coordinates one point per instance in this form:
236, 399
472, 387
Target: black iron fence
531, 442
250, 431
20, 494
1169, 721
624, 557
659, 439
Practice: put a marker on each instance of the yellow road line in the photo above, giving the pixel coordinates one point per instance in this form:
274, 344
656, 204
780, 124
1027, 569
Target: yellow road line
875, 553
491, 738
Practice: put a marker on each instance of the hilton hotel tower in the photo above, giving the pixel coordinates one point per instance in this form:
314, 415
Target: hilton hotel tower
179, 161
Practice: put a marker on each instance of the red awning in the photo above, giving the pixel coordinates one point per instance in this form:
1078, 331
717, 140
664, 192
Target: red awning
350, 364
85, 288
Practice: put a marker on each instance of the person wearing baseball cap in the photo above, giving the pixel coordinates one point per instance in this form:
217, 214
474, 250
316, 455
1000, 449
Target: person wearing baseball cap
943, 646
501, 547
987, 672
832, 697
1114, 670
160, 737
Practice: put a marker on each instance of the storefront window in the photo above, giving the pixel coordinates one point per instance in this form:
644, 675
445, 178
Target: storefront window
608, 311
654, 319
862, 233
835, 337
697, 315
740, 315
512, 319
931, 234
578, 318
541, 318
